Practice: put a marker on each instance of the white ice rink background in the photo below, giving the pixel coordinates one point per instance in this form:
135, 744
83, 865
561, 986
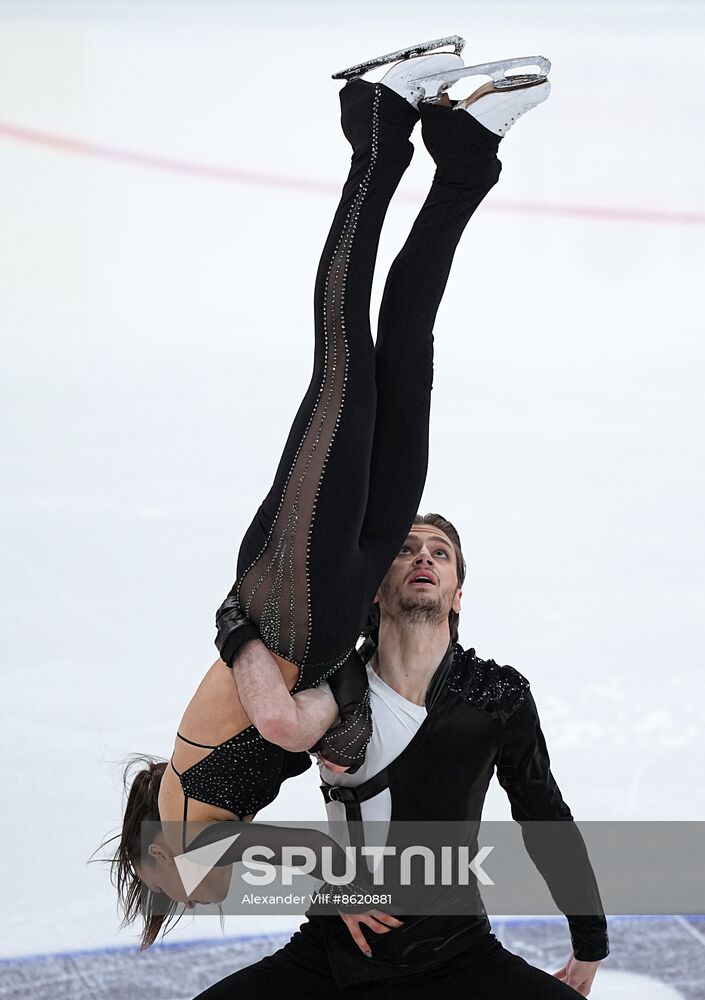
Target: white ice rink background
168, 176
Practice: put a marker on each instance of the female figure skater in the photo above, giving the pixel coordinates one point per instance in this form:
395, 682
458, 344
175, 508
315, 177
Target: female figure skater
346, 489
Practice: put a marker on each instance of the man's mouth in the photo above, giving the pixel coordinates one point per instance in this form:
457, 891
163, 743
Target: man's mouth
422, 579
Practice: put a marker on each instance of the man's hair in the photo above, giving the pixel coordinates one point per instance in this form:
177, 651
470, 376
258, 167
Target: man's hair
371, 630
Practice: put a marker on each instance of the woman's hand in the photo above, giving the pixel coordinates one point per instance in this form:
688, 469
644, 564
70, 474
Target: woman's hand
578, 974
380, 923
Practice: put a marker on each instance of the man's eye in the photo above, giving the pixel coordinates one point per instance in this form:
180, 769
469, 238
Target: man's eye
442, 552
404, 549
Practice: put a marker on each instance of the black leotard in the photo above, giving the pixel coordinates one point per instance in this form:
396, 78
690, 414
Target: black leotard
242, 775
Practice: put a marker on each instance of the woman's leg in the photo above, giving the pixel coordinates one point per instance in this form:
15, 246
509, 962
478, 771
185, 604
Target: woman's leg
467, 168
300, 564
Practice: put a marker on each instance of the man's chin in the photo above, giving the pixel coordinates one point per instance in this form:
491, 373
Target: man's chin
422, 608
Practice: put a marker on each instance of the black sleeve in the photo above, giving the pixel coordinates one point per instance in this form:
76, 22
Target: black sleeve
234, 630
346, 741
557, 849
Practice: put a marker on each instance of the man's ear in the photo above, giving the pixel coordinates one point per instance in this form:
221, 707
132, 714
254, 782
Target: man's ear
456, 601
375, 599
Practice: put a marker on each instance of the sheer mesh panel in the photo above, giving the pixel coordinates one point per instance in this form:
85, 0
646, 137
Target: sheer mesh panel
275, 591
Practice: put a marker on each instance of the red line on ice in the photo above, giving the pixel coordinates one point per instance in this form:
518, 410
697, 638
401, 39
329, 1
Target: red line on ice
81, 147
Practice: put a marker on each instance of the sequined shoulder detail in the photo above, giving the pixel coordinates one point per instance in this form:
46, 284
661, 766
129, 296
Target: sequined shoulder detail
243, 774
497, 690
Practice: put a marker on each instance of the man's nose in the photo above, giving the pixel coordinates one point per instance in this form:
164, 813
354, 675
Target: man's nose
423, 556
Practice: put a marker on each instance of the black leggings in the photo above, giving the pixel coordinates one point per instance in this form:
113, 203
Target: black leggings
353, 467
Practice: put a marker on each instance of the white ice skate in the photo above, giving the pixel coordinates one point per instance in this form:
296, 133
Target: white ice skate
411, 63
497, 110
434, 86
421, 49
401, 78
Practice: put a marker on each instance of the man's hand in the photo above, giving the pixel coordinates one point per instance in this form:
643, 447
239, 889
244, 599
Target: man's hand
379, 922
578, 974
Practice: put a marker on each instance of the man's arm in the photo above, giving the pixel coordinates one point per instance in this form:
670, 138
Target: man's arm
557, 850
294, 723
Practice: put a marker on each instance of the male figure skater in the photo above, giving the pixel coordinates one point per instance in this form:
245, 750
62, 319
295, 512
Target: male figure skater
476, 716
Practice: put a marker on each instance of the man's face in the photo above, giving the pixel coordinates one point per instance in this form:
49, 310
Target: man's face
421, 585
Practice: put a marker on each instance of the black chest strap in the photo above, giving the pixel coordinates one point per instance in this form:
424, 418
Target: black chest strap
358, 793
352, 798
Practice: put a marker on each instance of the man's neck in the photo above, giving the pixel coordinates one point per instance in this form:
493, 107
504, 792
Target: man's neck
408, 655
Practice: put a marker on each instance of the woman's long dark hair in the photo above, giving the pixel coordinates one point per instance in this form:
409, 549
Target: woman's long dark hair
371, 630
134, 899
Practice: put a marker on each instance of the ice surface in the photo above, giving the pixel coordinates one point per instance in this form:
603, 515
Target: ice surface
667, 956
156, 336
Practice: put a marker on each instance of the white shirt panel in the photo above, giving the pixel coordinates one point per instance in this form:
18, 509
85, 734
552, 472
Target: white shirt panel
395, 722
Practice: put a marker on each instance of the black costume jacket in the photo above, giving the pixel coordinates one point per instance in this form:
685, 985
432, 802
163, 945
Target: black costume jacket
481, 716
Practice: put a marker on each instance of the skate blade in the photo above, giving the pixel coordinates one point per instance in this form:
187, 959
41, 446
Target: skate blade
435, 86
353, 72
524, 82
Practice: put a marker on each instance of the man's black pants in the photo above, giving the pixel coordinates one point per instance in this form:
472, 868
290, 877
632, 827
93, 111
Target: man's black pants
302, 969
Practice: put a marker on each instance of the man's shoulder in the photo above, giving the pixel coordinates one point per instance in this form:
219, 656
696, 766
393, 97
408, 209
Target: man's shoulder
497, 689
